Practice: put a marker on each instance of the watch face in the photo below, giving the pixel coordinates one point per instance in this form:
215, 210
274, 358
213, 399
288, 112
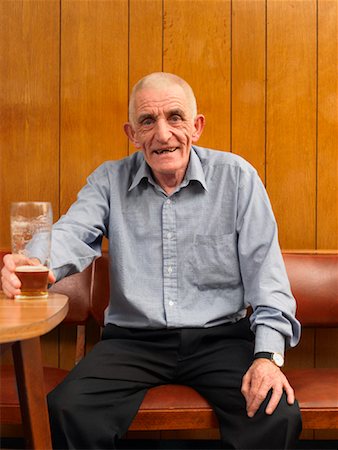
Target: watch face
278, 359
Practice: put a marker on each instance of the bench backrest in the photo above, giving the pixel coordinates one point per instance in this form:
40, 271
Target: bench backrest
314, 283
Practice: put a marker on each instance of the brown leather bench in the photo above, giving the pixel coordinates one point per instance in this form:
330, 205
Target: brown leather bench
314, 281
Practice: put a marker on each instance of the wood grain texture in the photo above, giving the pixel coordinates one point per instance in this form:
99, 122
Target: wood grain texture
303, 355
50, 348
248, 81
145, 38
326, 354
291, 119
94, 89
145, 41
67, 347
29, 111
219, 49
27, 319
33, 404
197, 48
327, 212
326, 434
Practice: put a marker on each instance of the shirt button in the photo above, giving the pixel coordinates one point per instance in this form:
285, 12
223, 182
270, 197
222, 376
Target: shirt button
171, 303
168, 202
170, 269
169, 235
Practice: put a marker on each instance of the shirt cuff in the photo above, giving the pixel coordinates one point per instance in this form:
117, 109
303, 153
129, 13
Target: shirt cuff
269, 340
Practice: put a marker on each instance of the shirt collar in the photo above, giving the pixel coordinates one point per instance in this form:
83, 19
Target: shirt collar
143, 172
194, 172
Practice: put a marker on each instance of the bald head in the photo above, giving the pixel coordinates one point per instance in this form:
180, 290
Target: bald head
161, 80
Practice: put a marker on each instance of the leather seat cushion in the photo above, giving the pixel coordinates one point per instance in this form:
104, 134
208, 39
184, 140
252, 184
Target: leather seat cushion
315, 388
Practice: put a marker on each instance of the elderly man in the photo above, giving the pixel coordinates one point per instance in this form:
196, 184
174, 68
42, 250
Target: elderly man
193, 242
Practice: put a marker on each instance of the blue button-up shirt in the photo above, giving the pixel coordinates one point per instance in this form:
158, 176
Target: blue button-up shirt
196, 258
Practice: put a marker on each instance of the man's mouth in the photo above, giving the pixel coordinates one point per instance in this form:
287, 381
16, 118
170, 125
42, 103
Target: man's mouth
162, 151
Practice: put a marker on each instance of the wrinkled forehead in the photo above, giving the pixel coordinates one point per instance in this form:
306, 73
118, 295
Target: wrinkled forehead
156, 88
157, 100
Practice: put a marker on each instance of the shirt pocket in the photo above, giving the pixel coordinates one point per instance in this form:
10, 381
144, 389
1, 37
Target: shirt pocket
215, 261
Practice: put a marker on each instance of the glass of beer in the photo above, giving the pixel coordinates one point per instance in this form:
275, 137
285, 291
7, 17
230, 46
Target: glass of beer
31, 227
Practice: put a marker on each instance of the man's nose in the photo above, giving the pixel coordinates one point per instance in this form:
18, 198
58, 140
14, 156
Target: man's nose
163, 132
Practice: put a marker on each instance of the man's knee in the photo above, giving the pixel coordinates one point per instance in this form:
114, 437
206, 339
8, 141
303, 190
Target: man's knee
291, 415
285, 424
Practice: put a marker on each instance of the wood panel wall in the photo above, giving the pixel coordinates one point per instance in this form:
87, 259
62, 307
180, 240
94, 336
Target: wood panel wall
264, 73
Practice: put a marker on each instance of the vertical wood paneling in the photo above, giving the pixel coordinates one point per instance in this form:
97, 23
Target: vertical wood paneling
94, 89
327, 213
29, 128
248, 81
50, 348
326, 352
145, 40
67, 347
291, 119
197, 47
303, 355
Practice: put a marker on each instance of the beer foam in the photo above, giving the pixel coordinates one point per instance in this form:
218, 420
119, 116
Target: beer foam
31, 269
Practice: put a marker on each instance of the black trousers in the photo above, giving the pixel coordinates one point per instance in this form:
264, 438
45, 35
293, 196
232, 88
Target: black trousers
96, 403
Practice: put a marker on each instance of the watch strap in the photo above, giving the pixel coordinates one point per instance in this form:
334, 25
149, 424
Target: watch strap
265, 355
276, 358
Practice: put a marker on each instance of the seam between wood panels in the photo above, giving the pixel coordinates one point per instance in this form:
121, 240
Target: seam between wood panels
162, 53
317, 128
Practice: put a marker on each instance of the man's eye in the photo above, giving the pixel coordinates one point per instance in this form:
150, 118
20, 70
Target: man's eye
175, 118
147, 121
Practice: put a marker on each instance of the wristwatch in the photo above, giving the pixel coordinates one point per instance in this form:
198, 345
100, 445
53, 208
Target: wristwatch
276, 358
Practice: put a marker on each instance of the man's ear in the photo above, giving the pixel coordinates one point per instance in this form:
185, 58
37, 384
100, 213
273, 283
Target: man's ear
130, 132
199, 123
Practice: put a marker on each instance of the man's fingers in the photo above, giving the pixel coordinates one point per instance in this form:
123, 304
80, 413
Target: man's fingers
11, 288
276, 393
274, 400
290, 393
246, 386
261, 378
9, 281
51, 277
257, 398
9, 262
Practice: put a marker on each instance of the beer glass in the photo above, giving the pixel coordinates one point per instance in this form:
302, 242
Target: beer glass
31, 226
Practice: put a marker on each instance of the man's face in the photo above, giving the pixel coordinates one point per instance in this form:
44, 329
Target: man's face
164, 129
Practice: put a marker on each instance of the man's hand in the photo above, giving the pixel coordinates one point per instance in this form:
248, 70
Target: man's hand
10, 282
262, 376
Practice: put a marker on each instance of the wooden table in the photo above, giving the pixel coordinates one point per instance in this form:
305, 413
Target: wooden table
22, 322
